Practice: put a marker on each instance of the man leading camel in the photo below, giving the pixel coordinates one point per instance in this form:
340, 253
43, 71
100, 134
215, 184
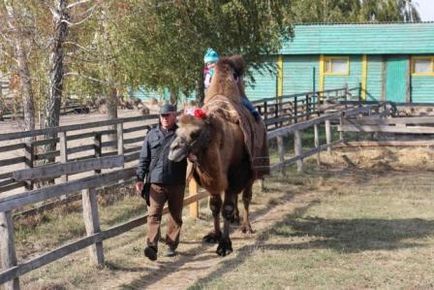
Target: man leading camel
167, 180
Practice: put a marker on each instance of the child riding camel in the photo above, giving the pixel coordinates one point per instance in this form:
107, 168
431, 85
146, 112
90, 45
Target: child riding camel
210, 59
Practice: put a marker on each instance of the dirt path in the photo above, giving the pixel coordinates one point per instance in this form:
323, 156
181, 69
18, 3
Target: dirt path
196, 261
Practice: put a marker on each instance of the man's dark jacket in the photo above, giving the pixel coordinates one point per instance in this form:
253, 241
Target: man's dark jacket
154, 156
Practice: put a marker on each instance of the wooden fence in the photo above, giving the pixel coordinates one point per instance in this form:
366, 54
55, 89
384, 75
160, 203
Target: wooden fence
74, 142
404, 131
290, 109
12, 269
90, 140
113, 163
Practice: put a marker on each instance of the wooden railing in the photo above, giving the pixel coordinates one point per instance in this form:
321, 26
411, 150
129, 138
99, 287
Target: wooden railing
12, 269
73, 142
90, 140
290, 109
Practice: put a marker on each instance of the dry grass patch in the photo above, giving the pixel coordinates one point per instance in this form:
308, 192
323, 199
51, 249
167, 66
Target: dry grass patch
365, 225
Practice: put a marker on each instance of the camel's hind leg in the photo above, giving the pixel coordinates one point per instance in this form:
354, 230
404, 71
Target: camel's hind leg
247, 198
215, 204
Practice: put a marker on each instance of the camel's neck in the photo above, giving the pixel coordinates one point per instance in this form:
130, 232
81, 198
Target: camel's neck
209, 164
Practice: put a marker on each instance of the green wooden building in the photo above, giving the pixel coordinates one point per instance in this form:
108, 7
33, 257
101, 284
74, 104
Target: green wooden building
393, 62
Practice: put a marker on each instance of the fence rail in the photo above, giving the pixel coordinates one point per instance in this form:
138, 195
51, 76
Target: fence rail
281, 121
12, 269
90, 140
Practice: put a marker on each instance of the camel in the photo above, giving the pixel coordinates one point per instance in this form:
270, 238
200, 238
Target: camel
214, 141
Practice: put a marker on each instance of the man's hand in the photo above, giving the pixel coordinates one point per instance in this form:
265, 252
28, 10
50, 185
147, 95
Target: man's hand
139, 187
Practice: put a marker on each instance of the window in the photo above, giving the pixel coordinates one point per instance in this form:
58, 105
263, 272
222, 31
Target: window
336, 65
423, 65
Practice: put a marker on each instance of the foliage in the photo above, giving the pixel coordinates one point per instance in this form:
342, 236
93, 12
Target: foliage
118, 45
354, 10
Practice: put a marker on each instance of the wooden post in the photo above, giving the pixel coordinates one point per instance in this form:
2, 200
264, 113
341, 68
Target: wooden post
63, 153
119, 129
281, 150
193, 190
7, 248
29, 155
341, 123
298, 149
91, 222
328, 132
97, 148
265, 116
261, 182
308, 110
295, 112
316, 140
346, 95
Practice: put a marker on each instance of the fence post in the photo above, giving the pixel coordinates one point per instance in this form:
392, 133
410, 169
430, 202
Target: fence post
295, 110
193, 190
281, 150
63, 152
97, 148
265, 111
298, 149
91, 223
29, 155
316, 140
307, 107
119, 129
346, 95
7, 248
328, 133
341, 123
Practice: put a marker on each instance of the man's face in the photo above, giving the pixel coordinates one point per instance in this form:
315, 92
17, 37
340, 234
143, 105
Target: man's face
168, 120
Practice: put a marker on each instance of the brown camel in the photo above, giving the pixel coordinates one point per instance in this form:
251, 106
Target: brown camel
214, 141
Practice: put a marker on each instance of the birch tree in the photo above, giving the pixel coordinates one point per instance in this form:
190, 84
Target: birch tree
16, 40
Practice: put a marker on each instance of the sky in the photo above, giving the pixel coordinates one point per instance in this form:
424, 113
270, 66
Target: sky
426, 9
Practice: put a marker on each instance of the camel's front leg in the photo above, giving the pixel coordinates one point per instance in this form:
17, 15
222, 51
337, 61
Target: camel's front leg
247, 198
215, 204
225, 245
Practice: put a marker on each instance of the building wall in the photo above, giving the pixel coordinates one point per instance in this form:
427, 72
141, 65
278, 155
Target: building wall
422, 89
374, 83
298, 74
353, 79
265, 85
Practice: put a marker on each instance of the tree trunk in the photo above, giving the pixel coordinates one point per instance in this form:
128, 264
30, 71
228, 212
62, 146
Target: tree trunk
23, 69
173, 97
112, 113
200, 89
109, 66
52, 110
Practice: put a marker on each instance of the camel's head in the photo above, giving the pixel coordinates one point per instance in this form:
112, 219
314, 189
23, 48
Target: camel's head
192, 136
227, 79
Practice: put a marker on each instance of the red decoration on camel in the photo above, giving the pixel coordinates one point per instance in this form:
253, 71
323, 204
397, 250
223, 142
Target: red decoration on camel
199, 113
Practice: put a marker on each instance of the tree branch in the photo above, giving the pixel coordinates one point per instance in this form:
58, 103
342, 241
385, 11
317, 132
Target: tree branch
76, 74
71, 24
77, 3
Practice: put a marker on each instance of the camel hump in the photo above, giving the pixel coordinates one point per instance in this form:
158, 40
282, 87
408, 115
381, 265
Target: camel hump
236, 62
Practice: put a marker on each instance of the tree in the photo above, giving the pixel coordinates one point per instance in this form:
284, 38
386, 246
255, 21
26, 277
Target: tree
354, 10
168, 38
17, 34
56, 63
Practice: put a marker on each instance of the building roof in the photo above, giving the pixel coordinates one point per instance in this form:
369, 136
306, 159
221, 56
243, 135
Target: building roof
361, 38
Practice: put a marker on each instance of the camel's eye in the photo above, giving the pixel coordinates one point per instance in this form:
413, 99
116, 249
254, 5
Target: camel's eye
194, 135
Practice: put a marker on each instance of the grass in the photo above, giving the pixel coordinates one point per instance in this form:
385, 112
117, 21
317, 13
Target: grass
365, 225
369, 230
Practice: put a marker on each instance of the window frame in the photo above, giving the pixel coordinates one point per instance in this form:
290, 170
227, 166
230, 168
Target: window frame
328, 59
413, 65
